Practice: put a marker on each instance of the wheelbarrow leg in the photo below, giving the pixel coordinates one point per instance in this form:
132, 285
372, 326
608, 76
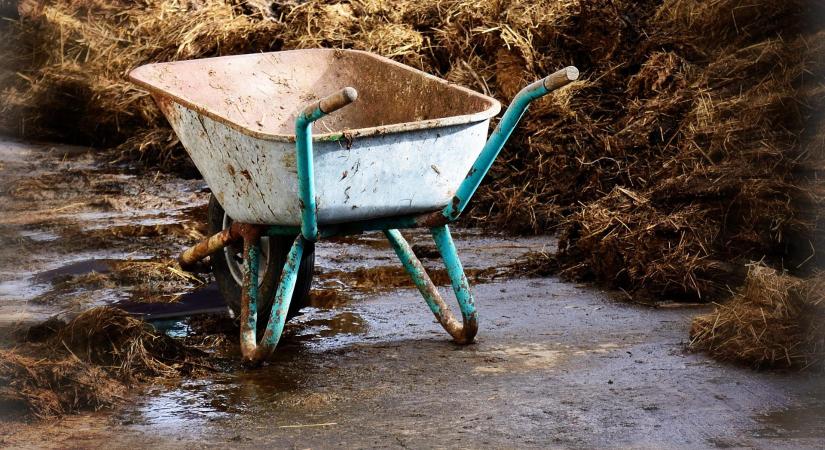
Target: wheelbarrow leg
255, 352
461, 333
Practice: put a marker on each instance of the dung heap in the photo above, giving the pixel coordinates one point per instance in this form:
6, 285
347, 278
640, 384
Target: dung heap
86, 363
90, 361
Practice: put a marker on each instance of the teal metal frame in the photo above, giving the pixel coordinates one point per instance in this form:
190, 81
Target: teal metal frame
254, 351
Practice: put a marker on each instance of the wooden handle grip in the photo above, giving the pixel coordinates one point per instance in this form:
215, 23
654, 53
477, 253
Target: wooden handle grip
561, 78
338, 100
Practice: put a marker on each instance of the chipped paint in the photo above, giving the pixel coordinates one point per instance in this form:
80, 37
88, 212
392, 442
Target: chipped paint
254, 352
462, 333
401, 160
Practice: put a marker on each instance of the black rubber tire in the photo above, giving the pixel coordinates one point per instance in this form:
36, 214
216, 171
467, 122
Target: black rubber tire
278, 249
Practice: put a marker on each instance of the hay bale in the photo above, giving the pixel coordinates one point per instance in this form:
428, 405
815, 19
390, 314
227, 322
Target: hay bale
774, 320
710, 135
70, 82
627, 241
661, 73
318, 25
722, 23
473, 73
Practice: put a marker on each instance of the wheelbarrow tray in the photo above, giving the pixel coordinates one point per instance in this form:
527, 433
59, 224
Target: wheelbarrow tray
403, 148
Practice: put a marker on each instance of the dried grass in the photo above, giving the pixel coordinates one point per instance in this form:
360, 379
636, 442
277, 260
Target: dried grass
75, 88
149, 281
160, 279
50, 387
128, 347
775, 320
89, 362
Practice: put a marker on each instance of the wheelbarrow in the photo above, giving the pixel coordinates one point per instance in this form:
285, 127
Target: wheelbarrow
410, 153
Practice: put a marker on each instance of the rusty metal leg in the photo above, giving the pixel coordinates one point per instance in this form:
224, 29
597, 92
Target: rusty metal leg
190, 257
461, 333
249, 293
255, 352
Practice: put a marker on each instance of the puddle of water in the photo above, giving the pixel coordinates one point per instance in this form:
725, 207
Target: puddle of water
22, 284
193, 404
204, 300
81, 267
285, 383
196, 403
328, 298
172, 327
805, 419
20, 289
327, 324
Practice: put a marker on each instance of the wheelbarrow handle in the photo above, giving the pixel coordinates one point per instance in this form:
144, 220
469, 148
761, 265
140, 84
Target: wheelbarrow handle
560, 78
304, 157
500, 135
332, 102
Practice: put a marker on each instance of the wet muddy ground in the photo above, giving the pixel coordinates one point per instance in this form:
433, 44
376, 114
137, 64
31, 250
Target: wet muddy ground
555, 364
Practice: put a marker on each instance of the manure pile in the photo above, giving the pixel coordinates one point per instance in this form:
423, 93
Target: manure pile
691, 146
87, 363
91, 361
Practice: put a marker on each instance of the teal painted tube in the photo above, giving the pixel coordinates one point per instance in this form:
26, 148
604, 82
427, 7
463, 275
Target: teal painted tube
283, 296
306, 174
414, 268
304, 157
461, 287
462, 332
253, 351
501, 134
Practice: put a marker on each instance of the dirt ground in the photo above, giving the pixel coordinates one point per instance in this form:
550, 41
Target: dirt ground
555, 364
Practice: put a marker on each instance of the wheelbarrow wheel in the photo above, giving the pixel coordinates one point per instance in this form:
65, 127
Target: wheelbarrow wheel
226, 266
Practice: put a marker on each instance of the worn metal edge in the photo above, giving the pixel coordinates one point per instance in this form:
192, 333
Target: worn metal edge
491, 111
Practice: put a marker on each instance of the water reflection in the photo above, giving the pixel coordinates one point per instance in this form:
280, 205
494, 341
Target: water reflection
290, 379
800, 420
194, 403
